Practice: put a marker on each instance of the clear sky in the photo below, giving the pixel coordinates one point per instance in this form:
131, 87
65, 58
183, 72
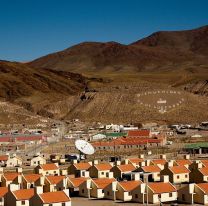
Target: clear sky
32, 28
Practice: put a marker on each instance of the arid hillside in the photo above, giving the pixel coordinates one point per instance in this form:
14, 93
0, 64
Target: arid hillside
161, 51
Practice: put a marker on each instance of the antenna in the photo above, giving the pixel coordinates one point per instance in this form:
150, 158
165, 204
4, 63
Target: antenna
84, 147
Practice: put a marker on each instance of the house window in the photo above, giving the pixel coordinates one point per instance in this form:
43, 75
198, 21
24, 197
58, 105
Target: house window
102, 191
1, 199
178, 176
102, 173
108, 193
158, 174
63, 204
23, 202
129, 193
171, 194
54, 172
186, 176
82, 190
183, 197
136, 195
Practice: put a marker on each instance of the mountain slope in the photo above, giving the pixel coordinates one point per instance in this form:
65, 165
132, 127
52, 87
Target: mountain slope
161, 51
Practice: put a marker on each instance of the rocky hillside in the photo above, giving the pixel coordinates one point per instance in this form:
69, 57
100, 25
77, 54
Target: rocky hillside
166, 50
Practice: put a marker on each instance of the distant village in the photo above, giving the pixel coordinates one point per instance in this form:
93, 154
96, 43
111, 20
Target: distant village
143, 163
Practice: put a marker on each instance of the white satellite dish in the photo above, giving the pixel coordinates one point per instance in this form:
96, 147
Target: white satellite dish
84, 147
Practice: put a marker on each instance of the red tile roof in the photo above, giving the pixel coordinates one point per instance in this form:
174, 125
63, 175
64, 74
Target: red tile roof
161, 187
179, 169
55, 179
204, 171
10, 176
24, 194
3, 191
126, 168
103, 182
82, 166
54, 197
103, 166
32, 177
4, 157
204, 187
51, 166
130, 185
78, 181
135, 160
183, 162
159, 161
139, 133
151, 168
127, 141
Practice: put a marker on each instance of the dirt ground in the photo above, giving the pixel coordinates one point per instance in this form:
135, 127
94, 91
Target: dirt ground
80, 201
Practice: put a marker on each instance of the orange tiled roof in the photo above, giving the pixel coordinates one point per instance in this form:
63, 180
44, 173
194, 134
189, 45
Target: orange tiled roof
4, 157
32, 177
204, 187
179, 169
135, 160
161, 187
51, 166
103, 182
204, 162
151, 168
130, 185
10, 176
204, 171
183, 162
82, 165
55, 179
77, 181
3, 191
54, 197
24, 194
127, 141
159, 161
103, 166
126, 168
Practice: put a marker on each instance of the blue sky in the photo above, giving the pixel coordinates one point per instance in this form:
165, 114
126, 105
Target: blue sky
32, 28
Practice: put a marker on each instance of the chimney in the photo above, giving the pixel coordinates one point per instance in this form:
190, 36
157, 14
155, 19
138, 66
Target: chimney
164, 178
56, 164
109, 174
118, 163
19, 170
63, 172
143, 187
142, 164
38, 190
66, 191
191, 188
13, 187
136, 176
199, 165
169, 164
1, 170
90, 163
126, 161
74, 161
88, 183
114, 186
42, 180
147, 162
163, 156
94, 162
141, 156
186, 157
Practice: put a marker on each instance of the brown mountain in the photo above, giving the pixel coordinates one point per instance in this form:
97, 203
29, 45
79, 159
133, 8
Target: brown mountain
34, 89
163, 50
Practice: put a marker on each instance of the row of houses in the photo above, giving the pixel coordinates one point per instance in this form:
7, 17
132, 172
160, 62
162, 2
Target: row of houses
11, 160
